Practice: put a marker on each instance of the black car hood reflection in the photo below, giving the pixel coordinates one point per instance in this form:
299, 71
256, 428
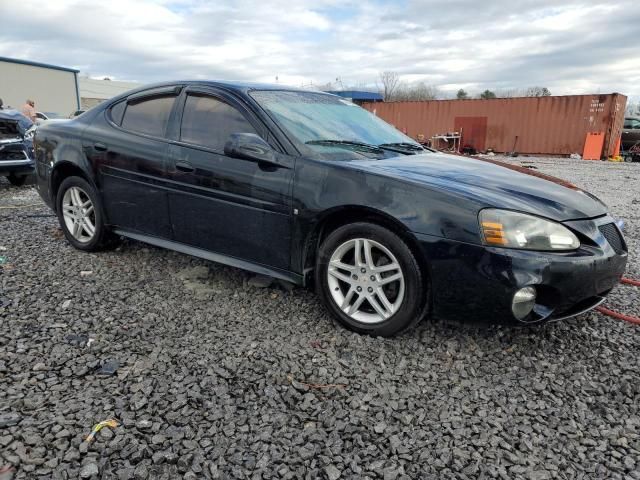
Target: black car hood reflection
491, 183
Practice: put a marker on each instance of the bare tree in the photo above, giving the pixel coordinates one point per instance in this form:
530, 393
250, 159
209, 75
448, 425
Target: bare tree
390, 82
633, 106
537, 92
406, 92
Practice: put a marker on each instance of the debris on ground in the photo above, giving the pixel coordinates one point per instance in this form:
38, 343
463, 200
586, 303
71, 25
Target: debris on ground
79, 340
260, 281
111, 423
9, 419
109, 367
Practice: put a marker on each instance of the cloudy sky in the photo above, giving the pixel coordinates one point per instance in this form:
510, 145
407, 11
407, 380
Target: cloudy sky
569, 47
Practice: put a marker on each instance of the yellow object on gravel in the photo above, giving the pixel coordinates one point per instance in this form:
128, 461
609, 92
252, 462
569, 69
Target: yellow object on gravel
106, 423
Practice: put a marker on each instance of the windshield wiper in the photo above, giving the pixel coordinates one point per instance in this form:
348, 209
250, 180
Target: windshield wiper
346, 143
402, 147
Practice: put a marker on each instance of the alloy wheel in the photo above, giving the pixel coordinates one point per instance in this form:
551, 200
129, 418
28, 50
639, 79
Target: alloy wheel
365, 280
79, 214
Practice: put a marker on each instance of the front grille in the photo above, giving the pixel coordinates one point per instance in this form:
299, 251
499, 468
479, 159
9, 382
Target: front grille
613, 236
13, 155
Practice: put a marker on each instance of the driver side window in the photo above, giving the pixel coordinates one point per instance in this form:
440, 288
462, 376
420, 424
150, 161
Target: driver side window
208, 122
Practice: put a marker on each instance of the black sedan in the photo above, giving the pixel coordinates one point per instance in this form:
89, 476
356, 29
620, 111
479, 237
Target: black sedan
309, 188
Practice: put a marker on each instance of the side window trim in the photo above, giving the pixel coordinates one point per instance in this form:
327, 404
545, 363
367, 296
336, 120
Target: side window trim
154, 92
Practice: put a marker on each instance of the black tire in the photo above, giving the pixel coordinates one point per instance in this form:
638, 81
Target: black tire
413, 306
17, 180
102, 237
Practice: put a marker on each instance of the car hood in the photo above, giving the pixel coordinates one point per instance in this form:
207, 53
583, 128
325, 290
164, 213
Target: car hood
492, 184
13, 124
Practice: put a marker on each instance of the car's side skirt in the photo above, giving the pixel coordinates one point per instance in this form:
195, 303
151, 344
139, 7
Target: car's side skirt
214, 257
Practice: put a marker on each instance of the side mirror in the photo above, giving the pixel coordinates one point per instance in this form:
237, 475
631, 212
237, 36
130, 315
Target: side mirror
249, 146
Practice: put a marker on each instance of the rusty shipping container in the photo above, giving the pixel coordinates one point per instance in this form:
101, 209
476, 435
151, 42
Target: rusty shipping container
556, 125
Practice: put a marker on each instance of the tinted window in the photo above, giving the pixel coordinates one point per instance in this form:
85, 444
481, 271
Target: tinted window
148, 116
208, 122
117, 111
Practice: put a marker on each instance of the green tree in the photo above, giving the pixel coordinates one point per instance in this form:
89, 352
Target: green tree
462, 95
487, 94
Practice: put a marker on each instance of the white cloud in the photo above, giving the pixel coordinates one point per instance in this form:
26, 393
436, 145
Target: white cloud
569, 47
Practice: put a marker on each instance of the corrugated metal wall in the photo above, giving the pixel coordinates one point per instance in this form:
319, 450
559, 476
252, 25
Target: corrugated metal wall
53, 90
543, 125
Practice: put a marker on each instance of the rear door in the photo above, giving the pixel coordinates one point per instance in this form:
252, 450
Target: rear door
225, 205
129, 154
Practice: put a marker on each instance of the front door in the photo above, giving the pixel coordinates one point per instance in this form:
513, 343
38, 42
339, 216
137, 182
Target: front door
225, 205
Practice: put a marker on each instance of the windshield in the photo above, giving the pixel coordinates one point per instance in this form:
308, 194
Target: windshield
311, 117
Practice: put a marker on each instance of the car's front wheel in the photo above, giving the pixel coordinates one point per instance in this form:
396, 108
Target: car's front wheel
370, 280
80, 215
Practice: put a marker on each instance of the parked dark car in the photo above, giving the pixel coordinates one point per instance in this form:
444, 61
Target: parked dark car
631, 135
310, 188
47, 115
16, 146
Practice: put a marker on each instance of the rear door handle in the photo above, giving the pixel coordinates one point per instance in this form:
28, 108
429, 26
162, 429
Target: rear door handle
101, 147
184, 166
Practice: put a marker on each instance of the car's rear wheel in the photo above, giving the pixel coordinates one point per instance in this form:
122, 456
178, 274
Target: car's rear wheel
370, 280
17, 180
80, 215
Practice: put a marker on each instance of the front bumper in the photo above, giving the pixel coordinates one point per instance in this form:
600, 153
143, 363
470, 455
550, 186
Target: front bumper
476, 283
16, 157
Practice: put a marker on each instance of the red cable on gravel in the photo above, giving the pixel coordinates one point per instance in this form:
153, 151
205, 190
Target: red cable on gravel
622, 316
630, 281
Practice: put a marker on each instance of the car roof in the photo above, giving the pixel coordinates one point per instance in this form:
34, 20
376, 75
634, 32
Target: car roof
239, 87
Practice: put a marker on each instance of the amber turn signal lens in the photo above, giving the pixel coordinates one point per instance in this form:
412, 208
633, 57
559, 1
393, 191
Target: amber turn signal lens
493, 233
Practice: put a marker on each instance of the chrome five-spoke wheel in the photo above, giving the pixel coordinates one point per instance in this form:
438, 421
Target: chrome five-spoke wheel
79, 214
366, 280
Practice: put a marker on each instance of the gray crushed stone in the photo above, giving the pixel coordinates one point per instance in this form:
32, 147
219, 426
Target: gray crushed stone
222, 376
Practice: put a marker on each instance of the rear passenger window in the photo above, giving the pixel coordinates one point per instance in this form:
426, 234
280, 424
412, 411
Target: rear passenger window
117, 111
148, 116
208, 121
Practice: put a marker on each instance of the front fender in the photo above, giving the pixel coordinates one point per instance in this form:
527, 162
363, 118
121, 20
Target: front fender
323, 186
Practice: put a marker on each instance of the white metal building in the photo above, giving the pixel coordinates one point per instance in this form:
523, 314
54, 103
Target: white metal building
52, 88
94, 91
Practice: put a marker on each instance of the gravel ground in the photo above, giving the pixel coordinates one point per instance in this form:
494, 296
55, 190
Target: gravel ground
219, 378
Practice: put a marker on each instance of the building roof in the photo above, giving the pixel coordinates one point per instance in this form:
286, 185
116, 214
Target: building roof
103, 89
358, 95
38, 64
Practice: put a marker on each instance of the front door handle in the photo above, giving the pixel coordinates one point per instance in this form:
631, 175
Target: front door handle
101, 147
184, 166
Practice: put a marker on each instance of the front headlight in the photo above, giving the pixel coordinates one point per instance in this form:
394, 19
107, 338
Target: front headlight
28, 135
503, 228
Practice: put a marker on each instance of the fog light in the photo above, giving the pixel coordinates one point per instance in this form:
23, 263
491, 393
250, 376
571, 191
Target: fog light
523, 302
